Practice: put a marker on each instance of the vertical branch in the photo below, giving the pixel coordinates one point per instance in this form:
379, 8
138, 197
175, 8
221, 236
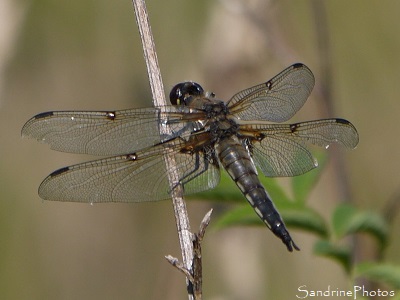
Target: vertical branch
150, 55
319, 11
149, 51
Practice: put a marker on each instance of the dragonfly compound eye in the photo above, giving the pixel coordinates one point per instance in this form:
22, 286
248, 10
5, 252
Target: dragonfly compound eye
183, 90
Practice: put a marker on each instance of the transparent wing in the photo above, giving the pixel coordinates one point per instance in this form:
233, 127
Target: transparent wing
136, 177
281, 149
276, 100
109, 133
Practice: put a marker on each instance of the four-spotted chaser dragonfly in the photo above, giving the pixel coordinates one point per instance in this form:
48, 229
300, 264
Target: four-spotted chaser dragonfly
205, 135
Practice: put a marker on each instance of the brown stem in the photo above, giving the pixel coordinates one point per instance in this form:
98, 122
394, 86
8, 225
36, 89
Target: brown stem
157, 89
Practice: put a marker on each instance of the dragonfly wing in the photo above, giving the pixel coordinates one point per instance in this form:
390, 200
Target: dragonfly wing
109, 133
136, 177
276, 100
281, 149
279, 156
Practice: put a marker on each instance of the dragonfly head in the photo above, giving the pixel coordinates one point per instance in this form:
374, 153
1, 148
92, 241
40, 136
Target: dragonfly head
184, 92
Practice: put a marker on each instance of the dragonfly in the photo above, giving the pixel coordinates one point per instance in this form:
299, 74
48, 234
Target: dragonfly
201, 135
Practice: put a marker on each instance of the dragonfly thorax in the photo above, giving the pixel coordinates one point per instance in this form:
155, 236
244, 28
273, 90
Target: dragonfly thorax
223, 128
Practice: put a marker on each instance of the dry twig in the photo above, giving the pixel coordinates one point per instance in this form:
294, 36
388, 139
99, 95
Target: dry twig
186, 238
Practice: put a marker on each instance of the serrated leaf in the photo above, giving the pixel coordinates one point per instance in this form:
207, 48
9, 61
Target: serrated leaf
303, 184
388, 274
348, 220
338, 253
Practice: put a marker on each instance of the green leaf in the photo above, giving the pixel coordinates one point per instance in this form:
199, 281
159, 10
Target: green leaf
275, 190
293, 216
396, 296
226, 191
385, 273
348, 220
339, 253
303, 184
242, 215
306, 219
341, 219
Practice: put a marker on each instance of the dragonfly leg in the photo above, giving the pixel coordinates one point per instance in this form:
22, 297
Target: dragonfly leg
198, 169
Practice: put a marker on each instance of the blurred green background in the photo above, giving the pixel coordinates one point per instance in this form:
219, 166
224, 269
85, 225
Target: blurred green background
86, 55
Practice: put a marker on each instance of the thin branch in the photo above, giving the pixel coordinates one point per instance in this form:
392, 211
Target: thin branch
197, 282
157, 89
319, 12
177, 264
195, 274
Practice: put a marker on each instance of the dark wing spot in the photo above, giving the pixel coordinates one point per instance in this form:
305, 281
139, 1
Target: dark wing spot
297, 65
187, 149
293, 127
268, 84
44, 115
59, 171
260, 136
131, 156
342, 121
110, 115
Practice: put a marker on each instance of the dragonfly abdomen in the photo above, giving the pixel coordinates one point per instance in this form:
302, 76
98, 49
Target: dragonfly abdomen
240, 167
